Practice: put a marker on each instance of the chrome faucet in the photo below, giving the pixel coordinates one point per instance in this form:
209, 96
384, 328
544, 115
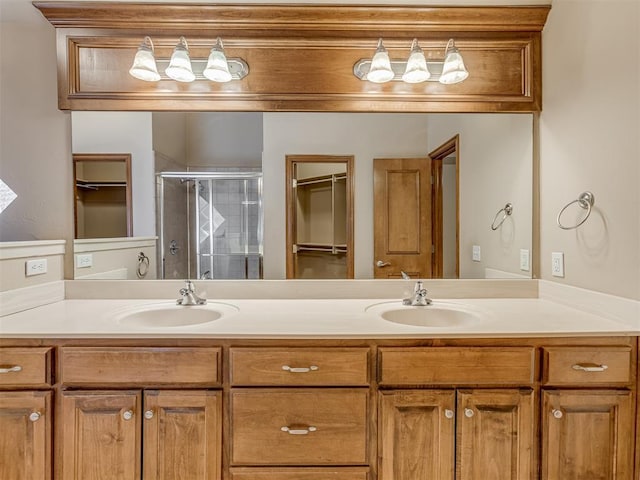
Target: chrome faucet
188, 295
419, 297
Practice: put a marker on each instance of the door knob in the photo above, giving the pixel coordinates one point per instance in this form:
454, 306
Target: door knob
381, 264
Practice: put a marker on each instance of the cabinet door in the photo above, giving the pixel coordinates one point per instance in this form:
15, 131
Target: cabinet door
587, 435
416, 435
100, 435
495, 436
25, 441
182, 435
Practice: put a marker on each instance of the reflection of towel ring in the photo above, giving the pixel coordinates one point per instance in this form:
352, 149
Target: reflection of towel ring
143, 265
585, 201
508, 210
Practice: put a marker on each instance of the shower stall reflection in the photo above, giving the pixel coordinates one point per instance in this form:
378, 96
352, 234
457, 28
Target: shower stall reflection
211, 224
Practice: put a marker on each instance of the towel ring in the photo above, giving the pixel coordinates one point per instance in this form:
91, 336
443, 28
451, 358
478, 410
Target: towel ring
586, 200
143, 265
507, 210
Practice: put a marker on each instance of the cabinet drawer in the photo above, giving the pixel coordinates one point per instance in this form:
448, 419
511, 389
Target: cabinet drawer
306, 473
457, 366
25, 367
299, 366
587, 366
299, 427
139, 366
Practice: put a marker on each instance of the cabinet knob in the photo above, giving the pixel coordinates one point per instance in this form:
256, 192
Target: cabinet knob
311, 368
148, 414
448, 413
468, 413
298, 430
35, 416
128, 415
557, 413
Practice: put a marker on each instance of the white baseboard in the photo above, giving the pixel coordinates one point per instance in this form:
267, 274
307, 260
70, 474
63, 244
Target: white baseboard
19, 299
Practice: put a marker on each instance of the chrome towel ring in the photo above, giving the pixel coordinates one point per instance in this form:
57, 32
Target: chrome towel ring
586, 200
143, 265
506, 211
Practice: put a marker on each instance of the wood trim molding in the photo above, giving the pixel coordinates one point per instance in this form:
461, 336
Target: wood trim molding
300, 57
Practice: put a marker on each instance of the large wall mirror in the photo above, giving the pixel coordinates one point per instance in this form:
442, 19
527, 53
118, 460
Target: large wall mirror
208, 189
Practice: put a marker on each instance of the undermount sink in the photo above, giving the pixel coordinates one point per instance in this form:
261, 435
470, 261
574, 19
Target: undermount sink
436, 315
167, 315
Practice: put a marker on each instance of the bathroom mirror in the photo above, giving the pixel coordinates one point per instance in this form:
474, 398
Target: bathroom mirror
492, 167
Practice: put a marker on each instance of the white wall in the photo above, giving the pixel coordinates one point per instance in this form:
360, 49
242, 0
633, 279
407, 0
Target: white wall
35, 143
590, 140
364, 136
123, 132
495, 156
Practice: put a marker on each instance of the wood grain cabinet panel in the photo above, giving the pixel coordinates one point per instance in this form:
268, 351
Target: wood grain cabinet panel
586, 366
299, 426
100, 435
25, 435
416, 434
299, 366
495, 435
304, 473
182, 435
25, 367
457, 366
587, 435
139, 366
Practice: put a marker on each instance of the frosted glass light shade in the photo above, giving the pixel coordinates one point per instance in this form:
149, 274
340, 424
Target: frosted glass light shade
144, 64
416, 70
179, 68
380, 70
217, 69
453, 70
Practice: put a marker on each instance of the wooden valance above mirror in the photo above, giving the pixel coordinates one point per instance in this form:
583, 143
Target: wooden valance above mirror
300, 57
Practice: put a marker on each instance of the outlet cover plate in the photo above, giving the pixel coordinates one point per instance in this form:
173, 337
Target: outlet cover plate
524, 260
35, 267
557, 264
475, 253
84, 260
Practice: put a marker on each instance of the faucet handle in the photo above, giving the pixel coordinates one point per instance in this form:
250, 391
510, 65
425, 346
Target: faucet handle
189, 287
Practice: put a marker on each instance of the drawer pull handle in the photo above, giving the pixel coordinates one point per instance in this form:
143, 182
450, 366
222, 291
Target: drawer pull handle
15, 368
557, 413
35, 416
298, 431
128, 415
448, 413
312, 368
468, 413
148, 414
589, 367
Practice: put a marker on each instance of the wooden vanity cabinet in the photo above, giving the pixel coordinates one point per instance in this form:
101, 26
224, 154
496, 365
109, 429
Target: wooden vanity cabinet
153, 425
25, 413
457, 433
588, 414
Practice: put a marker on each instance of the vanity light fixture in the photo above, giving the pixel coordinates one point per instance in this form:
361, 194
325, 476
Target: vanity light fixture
453, 70
416, 69
217, 68
380, 70
179, 67
144, 64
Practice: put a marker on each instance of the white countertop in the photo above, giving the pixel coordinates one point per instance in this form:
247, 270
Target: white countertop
328, 318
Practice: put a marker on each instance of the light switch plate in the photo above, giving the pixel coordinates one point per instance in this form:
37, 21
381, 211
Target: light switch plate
557, 264
524, 260
475, 253
84, 260
35, 267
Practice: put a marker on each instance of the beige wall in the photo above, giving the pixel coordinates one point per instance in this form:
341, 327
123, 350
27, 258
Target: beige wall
116, 258
13, 258
590, 140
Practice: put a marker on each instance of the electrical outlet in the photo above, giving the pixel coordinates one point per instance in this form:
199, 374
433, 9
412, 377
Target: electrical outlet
475, 253
36, 267
524, 260
557, 264
84, 260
